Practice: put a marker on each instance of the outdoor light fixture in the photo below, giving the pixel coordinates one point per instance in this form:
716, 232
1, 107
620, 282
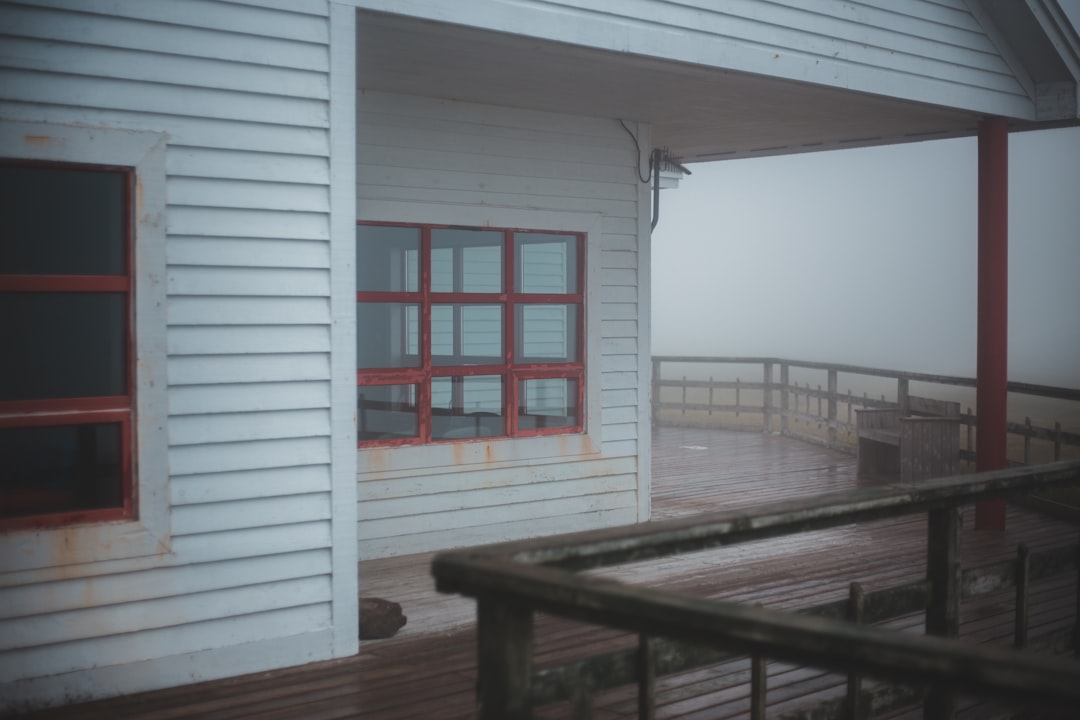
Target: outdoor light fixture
671, 170
666, 174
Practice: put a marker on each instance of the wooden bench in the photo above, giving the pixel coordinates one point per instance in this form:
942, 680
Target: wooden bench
917, 441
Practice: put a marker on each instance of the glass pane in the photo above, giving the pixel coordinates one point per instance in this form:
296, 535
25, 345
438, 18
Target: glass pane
60, 468
547, 333
547, 403
466, 261
546, 263
387, 411
467, 407
387, 335
62, 221
62, 345
466, 334
387, 259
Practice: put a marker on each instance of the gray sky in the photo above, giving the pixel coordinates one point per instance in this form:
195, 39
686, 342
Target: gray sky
868, 256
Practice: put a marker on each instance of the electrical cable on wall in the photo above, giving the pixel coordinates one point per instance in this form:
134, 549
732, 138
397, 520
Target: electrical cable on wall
637, 146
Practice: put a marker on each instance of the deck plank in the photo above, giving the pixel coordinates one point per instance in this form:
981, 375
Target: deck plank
428, 669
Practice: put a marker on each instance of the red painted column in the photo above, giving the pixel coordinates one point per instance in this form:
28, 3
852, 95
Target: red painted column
991, 395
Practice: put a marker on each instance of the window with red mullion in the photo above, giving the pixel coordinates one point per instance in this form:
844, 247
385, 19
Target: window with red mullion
120, 416
510, 370
87, 410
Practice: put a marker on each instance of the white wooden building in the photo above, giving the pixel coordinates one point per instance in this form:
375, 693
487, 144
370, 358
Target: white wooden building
194, 503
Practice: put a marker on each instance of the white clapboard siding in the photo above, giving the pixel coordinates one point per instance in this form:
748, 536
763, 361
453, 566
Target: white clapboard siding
243, 484
231, 340
246, 252
193, 310
240, 92
106, 620
225, 369
420, 152
121, 649
239, 514
238, 427
67, 595
250, 397
183, 39
451, 501
537, 526
931, 51
253, 542
249, 455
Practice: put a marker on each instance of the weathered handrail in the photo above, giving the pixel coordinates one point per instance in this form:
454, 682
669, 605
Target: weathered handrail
513, 580
795, 400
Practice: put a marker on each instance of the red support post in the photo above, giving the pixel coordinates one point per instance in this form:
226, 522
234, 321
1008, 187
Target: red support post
991, 395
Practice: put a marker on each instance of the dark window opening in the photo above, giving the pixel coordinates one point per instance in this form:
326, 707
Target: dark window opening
66, 386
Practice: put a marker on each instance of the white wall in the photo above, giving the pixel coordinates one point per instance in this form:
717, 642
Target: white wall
423, 160
246, 575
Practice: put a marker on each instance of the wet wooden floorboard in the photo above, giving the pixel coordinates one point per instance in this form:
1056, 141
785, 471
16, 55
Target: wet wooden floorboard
428, 670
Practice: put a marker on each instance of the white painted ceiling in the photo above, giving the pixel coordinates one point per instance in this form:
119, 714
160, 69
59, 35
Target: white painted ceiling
700, 113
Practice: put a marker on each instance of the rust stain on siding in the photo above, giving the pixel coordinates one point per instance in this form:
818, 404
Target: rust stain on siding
38, 140
376, 460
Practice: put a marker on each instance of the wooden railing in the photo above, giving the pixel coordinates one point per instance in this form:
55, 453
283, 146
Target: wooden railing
773, 402
512, 581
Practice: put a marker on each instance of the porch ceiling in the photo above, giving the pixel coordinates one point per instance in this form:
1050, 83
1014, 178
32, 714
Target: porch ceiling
701, 113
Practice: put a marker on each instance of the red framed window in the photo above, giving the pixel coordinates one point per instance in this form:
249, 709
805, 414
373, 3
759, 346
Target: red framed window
66, 386
467, 333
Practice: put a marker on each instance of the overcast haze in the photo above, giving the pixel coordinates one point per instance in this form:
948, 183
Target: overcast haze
868, 256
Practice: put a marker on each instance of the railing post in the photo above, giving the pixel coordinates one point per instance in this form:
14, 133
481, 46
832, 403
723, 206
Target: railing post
784, 407
504, 658
1023, 576
943, 611
646, 661
1076, 619
738, 399
832, 408
853, 708
655, 399
767, 406
759, 678
1027, 440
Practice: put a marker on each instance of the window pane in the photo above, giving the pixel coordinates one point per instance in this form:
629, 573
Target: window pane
62, 345
466, 261
547, 403
62, 221
546, 263
60, 468
547, 333
387, 411
466, 334
387, 335
387, 259
467, 407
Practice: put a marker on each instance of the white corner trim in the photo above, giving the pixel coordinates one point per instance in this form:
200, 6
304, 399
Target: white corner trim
344, 555
644, 289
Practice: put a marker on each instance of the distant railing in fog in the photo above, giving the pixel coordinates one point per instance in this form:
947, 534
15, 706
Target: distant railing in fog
825, 415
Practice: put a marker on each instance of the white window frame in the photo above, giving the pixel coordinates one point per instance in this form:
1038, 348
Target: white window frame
149, 532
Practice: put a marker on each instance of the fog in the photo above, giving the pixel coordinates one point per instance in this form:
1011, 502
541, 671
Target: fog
868, 256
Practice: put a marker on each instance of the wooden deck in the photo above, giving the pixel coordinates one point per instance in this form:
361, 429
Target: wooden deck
428, 669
